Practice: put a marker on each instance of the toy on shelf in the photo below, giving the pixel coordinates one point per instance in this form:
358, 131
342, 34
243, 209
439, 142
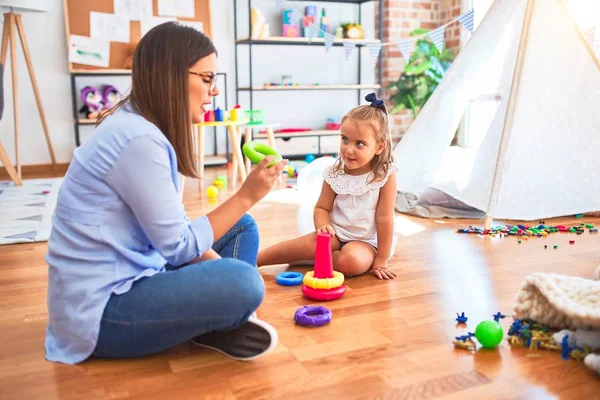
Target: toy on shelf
290, 29
209, 116
259, 28
333, 124
236, 113
324, 24
323, 283
110, 96
92, 102
310, 17
313, 316
256, 151
219, 115
255, 117
289, 278
353, 31
275, 84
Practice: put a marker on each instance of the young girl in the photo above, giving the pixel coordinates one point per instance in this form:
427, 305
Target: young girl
356, 205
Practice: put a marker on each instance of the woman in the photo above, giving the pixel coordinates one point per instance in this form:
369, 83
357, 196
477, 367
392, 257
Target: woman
130, 274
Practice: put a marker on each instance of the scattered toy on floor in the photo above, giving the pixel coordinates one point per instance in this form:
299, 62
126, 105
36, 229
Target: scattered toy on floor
465, 342
577, 345
498, 316
313, 316
289, 278
212, 192
524, 231
461, 319
489, 334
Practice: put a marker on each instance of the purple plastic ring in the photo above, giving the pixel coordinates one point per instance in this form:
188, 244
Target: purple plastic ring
313, 316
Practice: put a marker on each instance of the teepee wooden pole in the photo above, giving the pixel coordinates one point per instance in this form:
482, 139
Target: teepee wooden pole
508, 120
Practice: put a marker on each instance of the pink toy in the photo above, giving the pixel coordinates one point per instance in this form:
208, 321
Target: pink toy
323, 257
323, 283
323, 294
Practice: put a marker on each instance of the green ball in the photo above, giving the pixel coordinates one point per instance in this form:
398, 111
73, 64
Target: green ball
489, 334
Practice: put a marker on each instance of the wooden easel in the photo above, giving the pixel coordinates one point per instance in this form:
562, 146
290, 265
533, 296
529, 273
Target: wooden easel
12, 25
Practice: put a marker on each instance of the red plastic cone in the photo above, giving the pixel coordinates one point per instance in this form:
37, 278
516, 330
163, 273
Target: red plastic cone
323, 258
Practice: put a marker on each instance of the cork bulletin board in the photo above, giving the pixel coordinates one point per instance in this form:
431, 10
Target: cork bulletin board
77, 20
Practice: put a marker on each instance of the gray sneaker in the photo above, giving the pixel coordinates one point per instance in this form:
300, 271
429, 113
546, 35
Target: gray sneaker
247, 342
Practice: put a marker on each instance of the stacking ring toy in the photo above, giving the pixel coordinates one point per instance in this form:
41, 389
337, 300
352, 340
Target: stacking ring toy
323, 283
312, 316
256, 151
289, 278
323, 294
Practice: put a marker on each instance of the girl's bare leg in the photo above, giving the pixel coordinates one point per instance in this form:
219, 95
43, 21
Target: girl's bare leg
300, 248
355, 258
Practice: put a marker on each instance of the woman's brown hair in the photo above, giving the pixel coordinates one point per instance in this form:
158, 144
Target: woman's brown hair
376, 115
159, 85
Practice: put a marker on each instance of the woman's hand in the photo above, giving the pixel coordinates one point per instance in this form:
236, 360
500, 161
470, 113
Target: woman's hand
326, 229
380, 269
261, 179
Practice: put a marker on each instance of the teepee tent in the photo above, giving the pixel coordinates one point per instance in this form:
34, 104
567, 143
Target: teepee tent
538, 154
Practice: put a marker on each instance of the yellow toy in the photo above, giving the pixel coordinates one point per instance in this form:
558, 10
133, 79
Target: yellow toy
212, 192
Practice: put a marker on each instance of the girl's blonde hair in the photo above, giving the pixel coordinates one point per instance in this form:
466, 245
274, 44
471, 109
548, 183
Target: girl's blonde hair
376, 115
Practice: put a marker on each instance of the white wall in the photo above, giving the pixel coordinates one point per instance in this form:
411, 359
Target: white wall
45, 33
47, 42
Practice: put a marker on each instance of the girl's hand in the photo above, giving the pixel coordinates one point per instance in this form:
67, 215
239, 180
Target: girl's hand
380, 269
261, 179
326, 229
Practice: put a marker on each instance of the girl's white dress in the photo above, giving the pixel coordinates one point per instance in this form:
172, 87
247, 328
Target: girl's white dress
354, 207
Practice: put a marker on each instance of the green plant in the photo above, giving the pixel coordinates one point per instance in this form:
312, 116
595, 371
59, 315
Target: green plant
422, 74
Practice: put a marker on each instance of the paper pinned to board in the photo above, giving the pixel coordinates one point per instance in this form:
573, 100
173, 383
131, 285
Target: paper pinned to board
111, 27
135, 10
177, 8
199, 26
88, 51
147, 24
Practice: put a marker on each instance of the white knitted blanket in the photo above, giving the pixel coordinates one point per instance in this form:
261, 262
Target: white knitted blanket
559, 301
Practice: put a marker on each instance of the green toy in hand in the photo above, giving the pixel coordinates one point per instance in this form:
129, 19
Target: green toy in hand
257, 151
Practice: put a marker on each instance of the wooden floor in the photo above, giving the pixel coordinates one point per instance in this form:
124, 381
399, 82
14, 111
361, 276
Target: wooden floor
388, 339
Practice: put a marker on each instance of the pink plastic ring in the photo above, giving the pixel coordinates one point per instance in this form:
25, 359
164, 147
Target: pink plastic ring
323, 294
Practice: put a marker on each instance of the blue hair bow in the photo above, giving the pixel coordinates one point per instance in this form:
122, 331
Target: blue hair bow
375, 102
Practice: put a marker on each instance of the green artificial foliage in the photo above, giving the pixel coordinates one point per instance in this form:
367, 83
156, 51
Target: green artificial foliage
422, 74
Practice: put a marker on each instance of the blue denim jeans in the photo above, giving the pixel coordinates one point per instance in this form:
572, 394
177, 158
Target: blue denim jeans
169, 308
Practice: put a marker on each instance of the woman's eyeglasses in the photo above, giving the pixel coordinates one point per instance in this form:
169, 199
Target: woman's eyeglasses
207, 76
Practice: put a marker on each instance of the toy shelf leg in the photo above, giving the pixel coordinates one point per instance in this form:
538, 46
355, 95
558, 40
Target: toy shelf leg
238, 158
271, 142
200, 153
248, 138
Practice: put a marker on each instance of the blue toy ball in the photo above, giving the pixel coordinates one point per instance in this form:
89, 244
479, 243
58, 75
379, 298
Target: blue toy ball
309, 158
289, 278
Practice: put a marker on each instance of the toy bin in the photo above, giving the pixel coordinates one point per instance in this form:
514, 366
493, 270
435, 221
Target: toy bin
255, 117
